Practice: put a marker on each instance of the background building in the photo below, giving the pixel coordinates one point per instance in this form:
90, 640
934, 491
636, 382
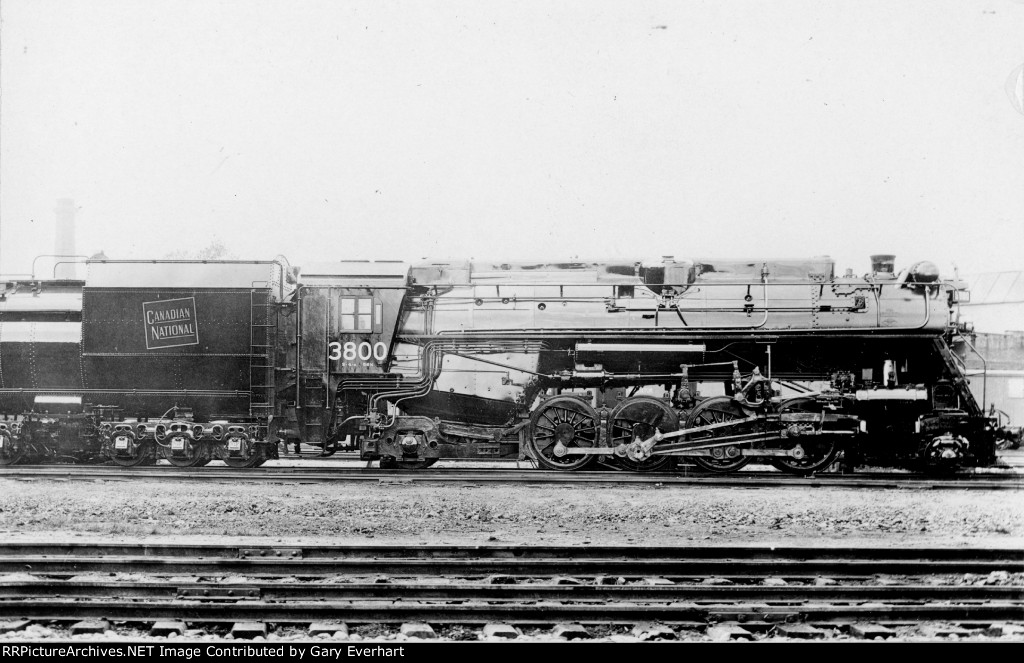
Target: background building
997, 311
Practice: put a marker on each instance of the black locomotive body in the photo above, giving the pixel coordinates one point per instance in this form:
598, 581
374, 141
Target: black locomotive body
631, 365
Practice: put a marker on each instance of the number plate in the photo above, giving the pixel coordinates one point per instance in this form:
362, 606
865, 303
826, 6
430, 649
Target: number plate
177, 444
235, 444
121, 442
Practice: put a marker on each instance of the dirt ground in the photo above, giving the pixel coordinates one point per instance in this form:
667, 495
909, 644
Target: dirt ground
394, 512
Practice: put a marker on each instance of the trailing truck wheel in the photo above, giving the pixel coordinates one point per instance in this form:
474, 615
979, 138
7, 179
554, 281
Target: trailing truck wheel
719, 410
818, 451
11, 450
637, 419
558, 425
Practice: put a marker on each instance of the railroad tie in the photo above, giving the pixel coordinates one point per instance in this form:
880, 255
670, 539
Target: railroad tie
800, 631
326, 629
871, 631
648, 631
657, 581
571, 632
248, 630
8, 626
729, 631
500, 631
1000, 630
167, 628
418, 630
90, 626
944, 631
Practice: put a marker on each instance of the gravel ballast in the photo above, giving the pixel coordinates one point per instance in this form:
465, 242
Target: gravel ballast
469, 513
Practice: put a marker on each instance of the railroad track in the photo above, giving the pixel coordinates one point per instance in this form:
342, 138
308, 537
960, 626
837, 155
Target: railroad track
1000, 480
747, 591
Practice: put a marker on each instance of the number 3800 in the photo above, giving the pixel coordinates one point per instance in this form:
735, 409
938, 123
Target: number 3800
351, 351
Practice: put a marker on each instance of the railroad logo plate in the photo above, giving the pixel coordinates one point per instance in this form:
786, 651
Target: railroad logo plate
170, 323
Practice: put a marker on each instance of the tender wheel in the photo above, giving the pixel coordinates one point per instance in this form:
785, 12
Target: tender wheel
717, 410
143, 454
559, 424
194, 454
818, 450
248, 454
391, 463
255, 460
639, 418
11, 449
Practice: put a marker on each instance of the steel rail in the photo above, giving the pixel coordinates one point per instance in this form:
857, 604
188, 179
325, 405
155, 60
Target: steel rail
590, 554
472, 612
528, 561
359, 467
459, 567
329, 591
1005, 480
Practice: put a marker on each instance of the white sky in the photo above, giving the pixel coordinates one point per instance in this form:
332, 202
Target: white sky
399, 130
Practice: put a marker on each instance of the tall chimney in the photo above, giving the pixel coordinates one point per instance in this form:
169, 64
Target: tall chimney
64, 242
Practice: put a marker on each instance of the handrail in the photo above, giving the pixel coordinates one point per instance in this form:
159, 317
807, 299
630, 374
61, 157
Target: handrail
53, 255
64, 262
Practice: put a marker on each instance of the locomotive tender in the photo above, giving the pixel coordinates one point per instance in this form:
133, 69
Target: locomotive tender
631, 365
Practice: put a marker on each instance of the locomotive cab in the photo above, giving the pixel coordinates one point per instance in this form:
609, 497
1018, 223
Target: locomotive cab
347, 319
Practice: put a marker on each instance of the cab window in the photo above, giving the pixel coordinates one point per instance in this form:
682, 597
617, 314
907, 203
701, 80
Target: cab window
356, 314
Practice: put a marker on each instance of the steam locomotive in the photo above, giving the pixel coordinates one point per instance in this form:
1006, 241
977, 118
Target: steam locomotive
631, 365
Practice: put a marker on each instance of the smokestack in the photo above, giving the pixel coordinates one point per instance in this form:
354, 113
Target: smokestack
883, 266
64, 242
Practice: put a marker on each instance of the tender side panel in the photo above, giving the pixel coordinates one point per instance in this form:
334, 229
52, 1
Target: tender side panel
40, 335
172, 340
